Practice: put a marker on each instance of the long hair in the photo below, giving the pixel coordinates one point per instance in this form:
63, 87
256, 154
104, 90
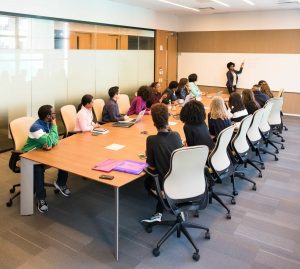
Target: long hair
218, 109
248, 97
86, 99
266, 89
235, 102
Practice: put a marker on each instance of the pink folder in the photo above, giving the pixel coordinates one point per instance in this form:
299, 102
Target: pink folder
131, 167
106, 166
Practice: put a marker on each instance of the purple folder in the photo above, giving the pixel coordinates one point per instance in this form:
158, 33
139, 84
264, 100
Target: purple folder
131, 167
107, 165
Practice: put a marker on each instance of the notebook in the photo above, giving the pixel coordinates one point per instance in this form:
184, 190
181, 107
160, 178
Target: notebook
131, 167
106, 166
100, 131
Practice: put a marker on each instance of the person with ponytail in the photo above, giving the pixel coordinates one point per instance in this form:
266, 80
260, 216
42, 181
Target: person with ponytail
84, 118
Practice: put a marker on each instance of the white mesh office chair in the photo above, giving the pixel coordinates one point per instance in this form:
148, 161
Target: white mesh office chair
185, 189
98, 108
222, 167
265, 128
68, 115
275, 117
280, 94
123, 103
19, 130
241, 150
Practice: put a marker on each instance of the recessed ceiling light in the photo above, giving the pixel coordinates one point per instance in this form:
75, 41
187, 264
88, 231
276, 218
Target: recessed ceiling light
250, 2
178, 5
221, 3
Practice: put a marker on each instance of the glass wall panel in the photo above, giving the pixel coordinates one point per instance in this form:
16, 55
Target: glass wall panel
57, 62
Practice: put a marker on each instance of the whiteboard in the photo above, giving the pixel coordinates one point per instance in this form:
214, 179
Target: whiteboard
279, 70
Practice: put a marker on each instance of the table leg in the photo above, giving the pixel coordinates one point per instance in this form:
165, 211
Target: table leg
116, 189
26, 201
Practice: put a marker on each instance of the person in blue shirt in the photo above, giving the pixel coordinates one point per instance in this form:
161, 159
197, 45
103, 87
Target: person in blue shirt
195, 91
260, 97
182, 90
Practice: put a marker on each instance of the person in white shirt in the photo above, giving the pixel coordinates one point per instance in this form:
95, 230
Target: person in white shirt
84, 118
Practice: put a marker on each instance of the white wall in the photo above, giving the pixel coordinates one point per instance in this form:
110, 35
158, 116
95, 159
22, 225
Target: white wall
101, 11
284, 19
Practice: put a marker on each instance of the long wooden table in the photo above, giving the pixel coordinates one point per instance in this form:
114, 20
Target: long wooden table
77, 154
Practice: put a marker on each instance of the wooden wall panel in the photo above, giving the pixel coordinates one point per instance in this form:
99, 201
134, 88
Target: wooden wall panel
250, 41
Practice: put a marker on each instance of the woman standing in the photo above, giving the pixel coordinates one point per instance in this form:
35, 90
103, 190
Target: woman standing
232, 76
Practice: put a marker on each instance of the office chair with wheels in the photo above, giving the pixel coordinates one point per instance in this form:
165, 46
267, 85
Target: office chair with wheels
265, 129
123, 103
275, 118
222, 167
241, 150
280, 94
98, 108
184, 189
68, 115
19, 130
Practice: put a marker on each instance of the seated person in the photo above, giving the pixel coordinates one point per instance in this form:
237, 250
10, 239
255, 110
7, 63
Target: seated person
195, 91
43, 135
237, 108
265, 88
159, 148
218, 118
195, 129
260, 97
182, 90
139, 102
169, 95
156, 95
249, 101
110, 111
84, 117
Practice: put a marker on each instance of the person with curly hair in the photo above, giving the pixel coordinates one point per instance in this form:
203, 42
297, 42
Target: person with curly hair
139, 103
232, 76
195, 129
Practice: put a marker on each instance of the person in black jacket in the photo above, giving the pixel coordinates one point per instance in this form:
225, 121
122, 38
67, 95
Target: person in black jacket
260, 97
169, 95
232, 76
195, 129
249, 101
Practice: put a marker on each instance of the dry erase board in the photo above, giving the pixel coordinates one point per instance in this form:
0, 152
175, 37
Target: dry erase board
279, 70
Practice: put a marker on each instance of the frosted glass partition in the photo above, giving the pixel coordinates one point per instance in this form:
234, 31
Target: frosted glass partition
34, 73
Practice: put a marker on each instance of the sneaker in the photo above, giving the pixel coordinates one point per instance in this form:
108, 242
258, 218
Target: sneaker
63, 189
155, 218
42, 206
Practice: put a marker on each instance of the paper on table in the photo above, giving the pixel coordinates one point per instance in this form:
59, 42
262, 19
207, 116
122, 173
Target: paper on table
172, 123
114, 147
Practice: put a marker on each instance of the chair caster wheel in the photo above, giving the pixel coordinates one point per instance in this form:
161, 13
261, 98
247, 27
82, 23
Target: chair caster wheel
254, 188
148, 229
276, 159
235, 193
277, 151
233, 202
263, 167
9, 204
196, 256
56, 191
12, 190
260, 175
196, 214
282, 147
228, 216
207, 235
155, 252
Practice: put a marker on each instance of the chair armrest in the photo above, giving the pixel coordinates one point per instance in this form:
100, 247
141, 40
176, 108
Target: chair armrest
14, 158
72, 133
158, 189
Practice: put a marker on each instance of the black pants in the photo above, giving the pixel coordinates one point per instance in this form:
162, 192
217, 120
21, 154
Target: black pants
231, 89
150, 185
39, 175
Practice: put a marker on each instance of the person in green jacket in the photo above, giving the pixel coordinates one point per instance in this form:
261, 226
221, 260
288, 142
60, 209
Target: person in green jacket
43, 135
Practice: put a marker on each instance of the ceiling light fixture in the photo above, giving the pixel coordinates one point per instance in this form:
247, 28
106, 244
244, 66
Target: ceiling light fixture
249, 2
178, 5
221, 3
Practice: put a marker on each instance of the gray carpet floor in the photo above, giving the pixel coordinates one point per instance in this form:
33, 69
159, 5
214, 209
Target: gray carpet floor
77, 232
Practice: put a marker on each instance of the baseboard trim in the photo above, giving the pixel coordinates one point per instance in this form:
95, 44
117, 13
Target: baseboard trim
289, 114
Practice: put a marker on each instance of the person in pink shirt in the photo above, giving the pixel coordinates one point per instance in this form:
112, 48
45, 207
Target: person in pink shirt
84, 117
139, 102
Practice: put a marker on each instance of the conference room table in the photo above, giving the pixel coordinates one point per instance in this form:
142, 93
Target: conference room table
79, 153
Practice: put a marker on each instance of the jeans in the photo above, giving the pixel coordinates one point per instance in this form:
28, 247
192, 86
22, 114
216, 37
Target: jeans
150, 185
39, 175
